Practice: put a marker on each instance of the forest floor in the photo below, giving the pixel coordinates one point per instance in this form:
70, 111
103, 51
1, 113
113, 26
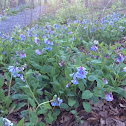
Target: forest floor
22, 18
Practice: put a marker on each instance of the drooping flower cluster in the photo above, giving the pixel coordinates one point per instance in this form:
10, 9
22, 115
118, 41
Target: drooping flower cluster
68, 85
16, 72
120, 58
38, 52
23, 37
80, 74
56, 101
62, 63
49, 44
21, 54
105, 81
7, 122
94, 48
36, 74
109, 97
121, 28
37, 41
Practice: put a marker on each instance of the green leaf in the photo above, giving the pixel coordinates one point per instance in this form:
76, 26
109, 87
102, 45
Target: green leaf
98, 92
39, 91
49, 119
2, 95
87, 94
71, 93
6, 75
1, 81
31, 101
30, 124
100, 83
123, 83
92, 77
71, 102
81, 86
8, 101
43, 111
119, 90
46, 69
78, 61
20, 105
87, 106
64, 106
45, 77
96, 61
51, 60
21, 123
56, 112
74, 112
33, 117
95, 99
1, 121
1, 58
42, 124
19, 96
47, 106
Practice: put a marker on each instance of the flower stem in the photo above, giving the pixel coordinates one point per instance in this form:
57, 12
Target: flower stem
43, 104
32, 92
10, 85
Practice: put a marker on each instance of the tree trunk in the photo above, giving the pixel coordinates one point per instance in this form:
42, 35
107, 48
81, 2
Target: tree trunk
1, 9
21, 2
0, 5
86, 3
106, 3
123, 2
69, 1
12, 3
33, 4
45, 2
5, 4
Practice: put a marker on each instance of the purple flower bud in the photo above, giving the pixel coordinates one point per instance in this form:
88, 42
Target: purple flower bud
105, 81
37, 41
38, 52
68, 85
22, 55
62, 63
22, 78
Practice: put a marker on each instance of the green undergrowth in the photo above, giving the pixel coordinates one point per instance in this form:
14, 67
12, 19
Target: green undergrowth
55, 66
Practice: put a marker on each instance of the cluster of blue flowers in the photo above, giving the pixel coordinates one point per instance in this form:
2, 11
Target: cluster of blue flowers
94, 48
120, 58
38, 52
109, 97
21, 54
80, 74
23, 37
56, 101
16, 72
49, 43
